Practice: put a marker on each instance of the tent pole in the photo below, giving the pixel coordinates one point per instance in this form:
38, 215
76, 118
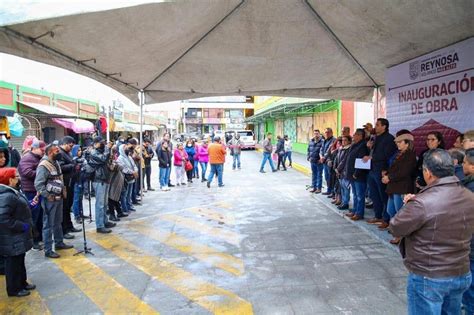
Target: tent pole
377, 103
107, 115
141, 97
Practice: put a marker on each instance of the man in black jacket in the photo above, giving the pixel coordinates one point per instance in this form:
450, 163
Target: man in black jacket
99, 160
328, 142
314, 157
357, 177
67, 168
382, 149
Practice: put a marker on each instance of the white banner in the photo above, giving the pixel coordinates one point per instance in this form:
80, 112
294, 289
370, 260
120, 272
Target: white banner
433, 92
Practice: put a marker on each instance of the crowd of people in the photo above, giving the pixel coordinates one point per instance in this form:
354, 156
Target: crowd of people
41, 190
421, 200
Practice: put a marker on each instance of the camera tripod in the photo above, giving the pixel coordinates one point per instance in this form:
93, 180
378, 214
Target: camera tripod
86, 250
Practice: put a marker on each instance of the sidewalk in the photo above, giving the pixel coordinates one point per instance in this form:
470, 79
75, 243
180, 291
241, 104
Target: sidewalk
300, 164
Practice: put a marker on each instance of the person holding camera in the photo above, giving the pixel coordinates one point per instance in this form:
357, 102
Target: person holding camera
50, 185
99, 159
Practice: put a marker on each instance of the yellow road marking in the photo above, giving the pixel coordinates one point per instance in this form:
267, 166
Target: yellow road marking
202, 252
223, 204
209, 296
32, 304
226, 235
213, 215
109, 295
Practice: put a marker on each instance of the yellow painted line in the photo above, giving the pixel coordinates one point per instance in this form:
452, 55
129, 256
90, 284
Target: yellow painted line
32, 304
207, 295
202, 252
222, 204
109, 295
213, 215
226, 235
300, 168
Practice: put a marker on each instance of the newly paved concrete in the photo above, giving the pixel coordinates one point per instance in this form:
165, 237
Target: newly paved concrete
260, 244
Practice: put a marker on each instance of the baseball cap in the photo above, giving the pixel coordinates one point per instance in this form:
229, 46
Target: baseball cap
98, 139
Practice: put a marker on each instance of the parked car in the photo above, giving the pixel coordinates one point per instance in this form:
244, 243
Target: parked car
248, 139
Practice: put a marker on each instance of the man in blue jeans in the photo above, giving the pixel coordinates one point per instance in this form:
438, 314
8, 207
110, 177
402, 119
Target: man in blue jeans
325, 150
314, 157
99, 159
437, 226
382, 149
267, 153
217, 152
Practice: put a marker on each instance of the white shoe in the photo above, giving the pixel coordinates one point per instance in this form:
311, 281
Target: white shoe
163, 189
168, 189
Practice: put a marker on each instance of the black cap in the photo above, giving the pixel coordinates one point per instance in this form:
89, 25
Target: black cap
68, 140
98, 139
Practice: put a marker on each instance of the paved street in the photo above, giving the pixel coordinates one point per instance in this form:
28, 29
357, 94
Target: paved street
262, 244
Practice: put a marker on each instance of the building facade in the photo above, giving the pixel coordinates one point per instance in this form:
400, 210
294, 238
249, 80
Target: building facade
205, 115
298, 117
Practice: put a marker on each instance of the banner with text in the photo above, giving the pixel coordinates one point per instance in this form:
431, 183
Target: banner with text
434, 92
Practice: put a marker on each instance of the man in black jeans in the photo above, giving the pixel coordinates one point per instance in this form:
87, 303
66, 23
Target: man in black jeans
148, 155
67, 165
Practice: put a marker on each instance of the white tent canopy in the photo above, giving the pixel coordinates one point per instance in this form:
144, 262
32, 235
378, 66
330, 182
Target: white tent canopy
189, 49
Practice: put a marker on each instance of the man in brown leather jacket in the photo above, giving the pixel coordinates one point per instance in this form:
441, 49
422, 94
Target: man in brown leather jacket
437, 225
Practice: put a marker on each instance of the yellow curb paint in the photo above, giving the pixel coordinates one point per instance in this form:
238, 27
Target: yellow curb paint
213, 215
109, 295
32, 304
226, 235
201, 252
207, 295
301, 168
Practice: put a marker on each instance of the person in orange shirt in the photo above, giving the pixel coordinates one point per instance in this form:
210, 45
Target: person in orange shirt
217, 152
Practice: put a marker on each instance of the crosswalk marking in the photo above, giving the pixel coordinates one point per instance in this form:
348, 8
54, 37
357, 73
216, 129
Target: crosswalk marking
207, 295
109, 295
226, 235
213, 215
32, 304
202, 252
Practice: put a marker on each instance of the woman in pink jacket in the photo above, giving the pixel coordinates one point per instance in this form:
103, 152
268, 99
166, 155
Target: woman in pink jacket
203, 159
180, 158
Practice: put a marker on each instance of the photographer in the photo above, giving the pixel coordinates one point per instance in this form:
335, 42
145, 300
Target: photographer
99, 160
50, 185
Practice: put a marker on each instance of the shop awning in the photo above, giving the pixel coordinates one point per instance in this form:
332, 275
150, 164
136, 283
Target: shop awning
130, 127
50, 110
77, 125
